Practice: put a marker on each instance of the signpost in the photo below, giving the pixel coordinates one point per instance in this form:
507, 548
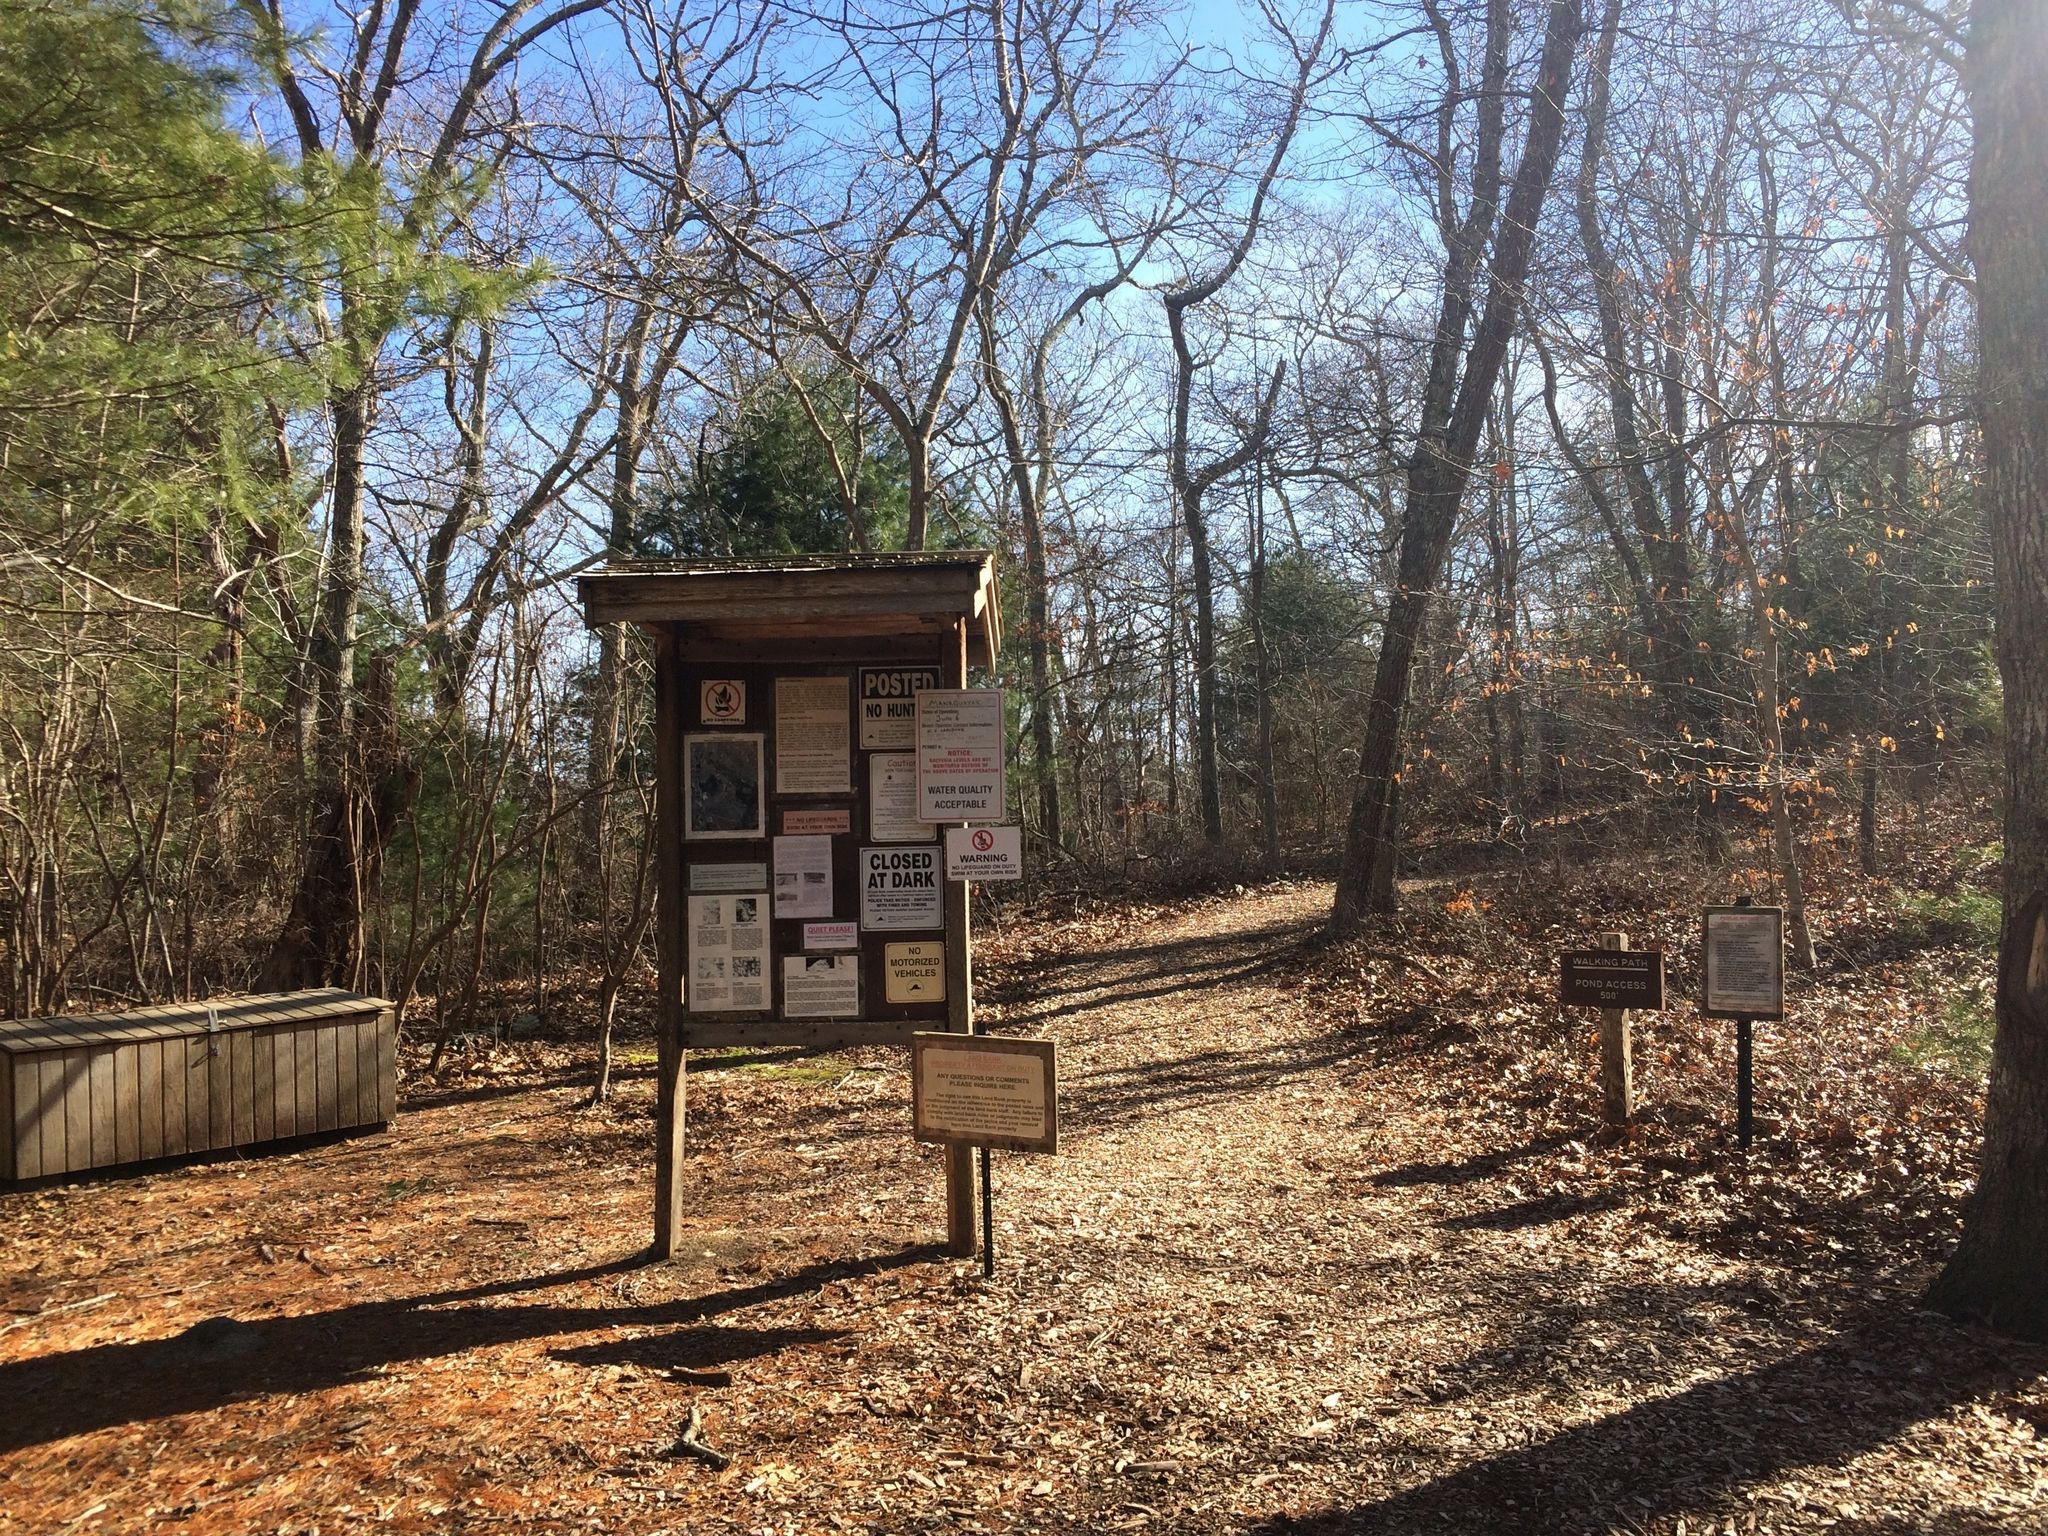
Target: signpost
1614, 979
1744, 959
985, 1091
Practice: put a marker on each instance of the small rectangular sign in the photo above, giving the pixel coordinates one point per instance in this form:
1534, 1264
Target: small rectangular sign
899, 888
821, 986
831, 935
892, 799
960, 754
984, 853
914, 972
718, 879
1745, 962
1612, 978
985, 1090
888, 711
825, 823
722, 701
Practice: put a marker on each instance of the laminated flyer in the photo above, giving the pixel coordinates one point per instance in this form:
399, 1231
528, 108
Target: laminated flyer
728, 954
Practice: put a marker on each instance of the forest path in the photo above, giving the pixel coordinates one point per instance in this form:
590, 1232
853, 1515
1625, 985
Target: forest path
1328, 1248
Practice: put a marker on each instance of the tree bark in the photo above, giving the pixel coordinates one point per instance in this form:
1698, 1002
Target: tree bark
1437, 477
1996, 1273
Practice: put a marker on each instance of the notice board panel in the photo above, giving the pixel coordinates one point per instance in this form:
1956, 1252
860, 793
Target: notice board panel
803, 834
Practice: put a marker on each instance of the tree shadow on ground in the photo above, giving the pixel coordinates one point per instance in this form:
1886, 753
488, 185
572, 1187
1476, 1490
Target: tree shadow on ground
1698, 1449
221, 1360
1052, 987
1478, 1168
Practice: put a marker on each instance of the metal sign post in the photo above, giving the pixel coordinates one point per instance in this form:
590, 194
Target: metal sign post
985, 1091
1744, 962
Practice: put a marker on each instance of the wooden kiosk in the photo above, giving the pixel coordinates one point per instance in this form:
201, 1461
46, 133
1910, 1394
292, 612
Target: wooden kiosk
801, 902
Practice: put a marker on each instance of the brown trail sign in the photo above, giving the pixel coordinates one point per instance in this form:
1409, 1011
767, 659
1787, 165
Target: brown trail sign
1614, 979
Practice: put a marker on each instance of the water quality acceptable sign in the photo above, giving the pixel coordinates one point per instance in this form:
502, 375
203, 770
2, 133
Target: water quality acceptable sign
899, 888
960, 754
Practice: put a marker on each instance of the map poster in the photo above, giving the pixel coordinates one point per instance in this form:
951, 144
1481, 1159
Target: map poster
960, 754
803, 877
813, 750
888, 707
728, 954
892, 800
722, 787
821, 986
899, 888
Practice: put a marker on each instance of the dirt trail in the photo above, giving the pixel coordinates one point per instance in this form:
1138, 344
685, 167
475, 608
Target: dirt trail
1281, 1279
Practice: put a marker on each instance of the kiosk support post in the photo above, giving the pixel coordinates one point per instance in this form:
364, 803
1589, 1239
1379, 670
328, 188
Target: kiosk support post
959, 994
1617, 1067
668, 821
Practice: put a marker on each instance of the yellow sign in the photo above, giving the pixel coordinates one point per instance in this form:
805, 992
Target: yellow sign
915, 972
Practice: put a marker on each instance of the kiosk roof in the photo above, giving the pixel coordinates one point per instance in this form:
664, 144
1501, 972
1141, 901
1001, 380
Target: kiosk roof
752, 603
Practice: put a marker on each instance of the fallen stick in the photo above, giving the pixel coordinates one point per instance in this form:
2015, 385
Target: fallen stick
69, 1306
691, 1442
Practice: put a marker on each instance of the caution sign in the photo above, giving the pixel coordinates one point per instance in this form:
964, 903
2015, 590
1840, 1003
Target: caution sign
914, 972
899, 888
888, 706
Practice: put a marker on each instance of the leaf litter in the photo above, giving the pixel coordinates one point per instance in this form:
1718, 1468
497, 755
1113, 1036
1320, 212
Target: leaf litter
1333, 1245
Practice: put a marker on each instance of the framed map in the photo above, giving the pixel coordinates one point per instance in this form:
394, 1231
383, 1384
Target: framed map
722, 787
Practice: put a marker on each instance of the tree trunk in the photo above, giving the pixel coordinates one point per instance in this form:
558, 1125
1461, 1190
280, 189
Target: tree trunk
1996, 1273
1437, 477
1269, 788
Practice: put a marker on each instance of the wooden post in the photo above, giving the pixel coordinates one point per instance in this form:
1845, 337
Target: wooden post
668, 833
1617, 1069
960, 1180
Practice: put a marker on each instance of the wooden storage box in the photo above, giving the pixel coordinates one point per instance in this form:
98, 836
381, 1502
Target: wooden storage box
97, 1090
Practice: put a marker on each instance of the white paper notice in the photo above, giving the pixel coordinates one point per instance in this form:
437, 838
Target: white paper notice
803, 877
736, 878
821, 986
960, 754
728, 953
831, 935
892, 800
1746, 962
813, 750
899, 888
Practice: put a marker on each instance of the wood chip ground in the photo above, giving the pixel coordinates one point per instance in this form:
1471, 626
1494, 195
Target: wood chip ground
1332, 1246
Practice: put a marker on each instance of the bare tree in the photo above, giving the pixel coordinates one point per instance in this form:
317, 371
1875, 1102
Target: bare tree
1464, 368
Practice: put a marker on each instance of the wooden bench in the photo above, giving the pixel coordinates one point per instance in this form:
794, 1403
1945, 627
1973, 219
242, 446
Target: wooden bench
99, 1090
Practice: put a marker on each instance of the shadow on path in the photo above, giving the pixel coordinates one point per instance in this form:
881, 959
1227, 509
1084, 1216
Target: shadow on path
222, 1360
1699, 1448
